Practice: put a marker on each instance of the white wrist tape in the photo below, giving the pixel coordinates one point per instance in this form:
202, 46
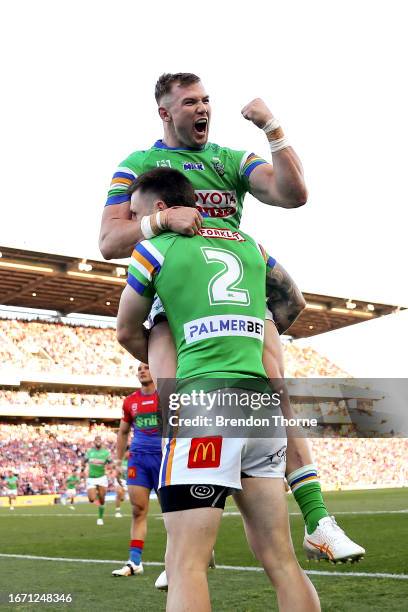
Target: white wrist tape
159, 225
271, 125
146, 228
277, 145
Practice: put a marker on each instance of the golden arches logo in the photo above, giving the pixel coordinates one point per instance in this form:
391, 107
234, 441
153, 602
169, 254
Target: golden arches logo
205, 448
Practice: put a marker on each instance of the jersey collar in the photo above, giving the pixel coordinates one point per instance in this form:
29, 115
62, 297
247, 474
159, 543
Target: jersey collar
159, 144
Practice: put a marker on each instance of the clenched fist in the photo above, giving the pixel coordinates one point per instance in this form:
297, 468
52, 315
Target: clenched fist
257, 112
183, 220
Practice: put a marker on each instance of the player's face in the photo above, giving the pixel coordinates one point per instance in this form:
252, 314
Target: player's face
141, 204
143, 374
98, 442
190, 113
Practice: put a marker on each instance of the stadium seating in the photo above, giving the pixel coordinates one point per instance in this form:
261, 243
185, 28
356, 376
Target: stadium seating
44, 455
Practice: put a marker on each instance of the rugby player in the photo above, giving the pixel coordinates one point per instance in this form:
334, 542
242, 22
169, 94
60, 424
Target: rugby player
71, 484
120, 484
229, 271
221, 177
141, 413
11, 488
97, 459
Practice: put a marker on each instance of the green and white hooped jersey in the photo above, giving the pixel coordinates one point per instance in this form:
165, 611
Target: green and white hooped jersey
217, 319
219, 176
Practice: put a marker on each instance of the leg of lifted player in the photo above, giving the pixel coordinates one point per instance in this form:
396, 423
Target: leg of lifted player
298, 454
263, 507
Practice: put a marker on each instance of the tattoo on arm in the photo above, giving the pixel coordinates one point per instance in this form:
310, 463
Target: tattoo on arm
284, 297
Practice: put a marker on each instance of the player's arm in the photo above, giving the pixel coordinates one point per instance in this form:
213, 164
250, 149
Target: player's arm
281, 184
121, 446
122, 440
121, 229
284, 297
130, 333
85, 462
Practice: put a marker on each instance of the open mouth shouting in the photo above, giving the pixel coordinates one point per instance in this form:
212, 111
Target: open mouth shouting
201, 127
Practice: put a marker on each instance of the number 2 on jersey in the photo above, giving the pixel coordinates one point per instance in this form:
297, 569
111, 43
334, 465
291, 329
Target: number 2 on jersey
222, 288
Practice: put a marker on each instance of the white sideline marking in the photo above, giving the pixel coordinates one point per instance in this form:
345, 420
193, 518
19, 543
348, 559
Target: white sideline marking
234, 513
236, 568
158, 515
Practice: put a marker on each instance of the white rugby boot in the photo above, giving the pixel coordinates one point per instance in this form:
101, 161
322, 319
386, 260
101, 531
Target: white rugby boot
329, 542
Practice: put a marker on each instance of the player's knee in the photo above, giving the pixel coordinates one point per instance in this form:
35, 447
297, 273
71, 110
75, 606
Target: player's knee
277, 560
139, 511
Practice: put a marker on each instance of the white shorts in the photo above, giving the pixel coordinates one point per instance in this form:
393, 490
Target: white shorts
158, 313
11, 492
102, 481
118, 484
71, 492
221, 461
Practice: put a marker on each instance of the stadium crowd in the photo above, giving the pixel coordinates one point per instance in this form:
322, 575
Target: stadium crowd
43, 456
32, 397
77, 349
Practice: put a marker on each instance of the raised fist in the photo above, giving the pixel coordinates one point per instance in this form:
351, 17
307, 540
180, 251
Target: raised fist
257, 112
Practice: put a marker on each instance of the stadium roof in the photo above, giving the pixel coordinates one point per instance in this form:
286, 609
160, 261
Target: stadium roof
31, 279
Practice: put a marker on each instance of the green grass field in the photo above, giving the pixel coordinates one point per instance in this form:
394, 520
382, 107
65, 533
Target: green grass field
60, 532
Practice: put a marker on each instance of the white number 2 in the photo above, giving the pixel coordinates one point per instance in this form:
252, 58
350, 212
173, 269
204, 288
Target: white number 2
222, 288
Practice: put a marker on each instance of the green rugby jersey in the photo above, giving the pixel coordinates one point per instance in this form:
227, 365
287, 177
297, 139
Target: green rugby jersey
217, 318
12, 482
72, 481
219, 176
97, 459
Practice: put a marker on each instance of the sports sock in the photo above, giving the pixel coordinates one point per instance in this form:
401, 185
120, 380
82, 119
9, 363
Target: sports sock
308, 494
135, 551
101, 510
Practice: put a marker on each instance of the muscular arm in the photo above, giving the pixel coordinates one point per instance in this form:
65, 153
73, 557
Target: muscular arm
130, 333
122, 440
284, 297
281, 184
120, 228
119, 232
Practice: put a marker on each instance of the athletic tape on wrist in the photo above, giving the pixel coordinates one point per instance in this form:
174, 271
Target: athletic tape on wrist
158, 221
277, 145
271, 125
146, 227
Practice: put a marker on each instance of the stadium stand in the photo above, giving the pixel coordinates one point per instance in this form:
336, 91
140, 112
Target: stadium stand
44, 449
44, 455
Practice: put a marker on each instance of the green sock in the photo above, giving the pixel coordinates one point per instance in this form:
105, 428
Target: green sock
101, 510
308, 495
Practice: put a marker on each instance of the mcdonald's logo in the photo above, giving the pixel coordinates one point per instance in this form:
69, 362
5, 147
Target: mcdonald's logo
205, 452
131, 472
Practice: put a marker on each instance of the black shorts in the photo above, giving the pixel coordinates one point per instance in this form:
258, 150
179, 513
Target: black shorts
174, 498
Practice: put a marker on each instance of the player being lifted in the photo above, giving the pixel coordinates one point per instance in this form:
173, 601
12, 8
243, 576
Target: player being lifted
218, 335
97, 459
221, 177
140, 413
71, 484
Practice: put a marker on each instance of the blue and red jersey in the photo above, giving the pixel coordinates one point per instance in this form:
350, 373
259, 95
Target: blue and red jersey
142, 411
